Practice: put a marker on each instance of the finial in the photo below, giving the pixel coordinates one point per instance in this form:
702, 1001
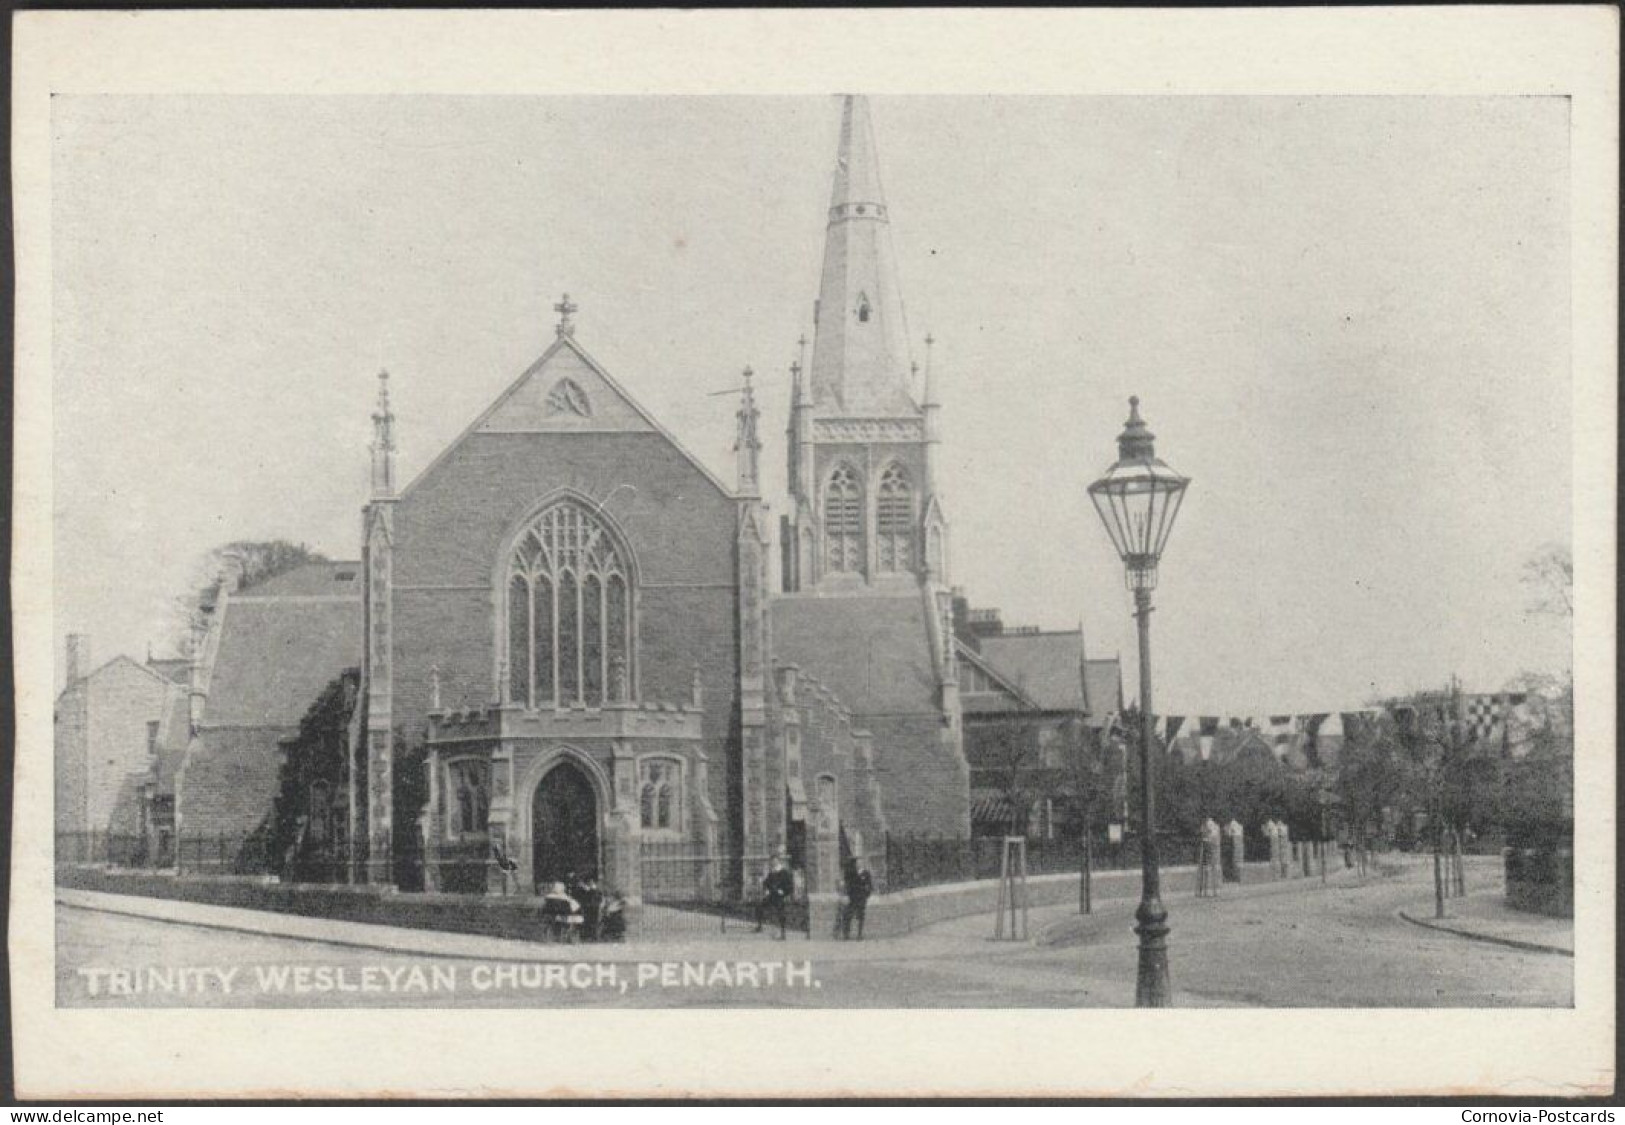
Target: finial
434, 687
383, 442
565, 308
383, 418
928, 396
1135, 442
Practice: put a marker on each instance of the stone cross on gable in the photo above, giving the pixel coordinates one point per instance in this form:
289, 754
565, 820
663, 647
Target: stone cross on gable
565, 308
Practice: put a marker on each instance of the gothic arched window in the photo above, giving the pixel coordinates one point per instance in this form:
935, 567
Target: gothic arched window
843, 520
894, 520
660, 794
829, 810
569, 611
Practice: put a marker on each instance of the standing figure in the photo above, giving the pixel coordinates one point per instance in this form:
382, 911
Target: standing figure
776, 891
561, 914
1207, 881
859, 885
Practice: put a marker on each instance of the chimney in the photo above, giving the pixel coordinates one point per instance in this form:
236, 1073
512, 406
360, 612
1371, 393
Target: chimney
78, 656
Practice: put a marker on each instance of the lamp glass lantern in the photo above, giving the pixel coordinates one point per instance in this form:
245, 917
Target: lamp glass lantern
1138, 499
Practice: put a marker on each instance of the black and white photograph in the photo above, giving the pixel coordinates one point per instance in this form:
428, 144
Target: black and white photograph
845, 549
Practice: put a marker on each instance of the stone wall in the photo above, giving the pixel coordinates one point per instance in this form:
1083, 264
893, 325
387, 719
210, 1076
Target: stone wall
101, 740
517, 917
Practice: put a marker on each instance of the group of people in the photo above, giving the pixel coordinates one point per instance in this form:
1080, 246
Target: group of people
779, 888
579, 908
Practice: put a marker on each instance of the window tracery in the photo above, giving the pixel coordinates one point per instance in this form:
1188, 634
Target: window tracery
660, 794
569, 611
843, 520
894, 520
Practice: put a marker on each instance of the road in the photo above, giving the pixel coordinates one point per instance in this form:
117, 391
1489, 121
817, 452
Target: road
1287, 945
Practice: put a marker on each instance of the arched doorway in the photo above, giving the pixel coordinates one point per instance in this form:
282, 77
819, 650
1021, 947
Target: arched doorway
564, 826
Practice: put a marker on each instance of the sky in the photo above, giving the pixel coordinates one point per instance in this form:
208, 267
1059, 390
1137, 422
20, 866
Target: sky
1347, 319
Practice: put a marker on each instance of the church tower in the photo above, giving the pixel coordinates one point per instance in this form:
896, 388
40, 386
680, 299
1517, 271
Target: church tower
865, 514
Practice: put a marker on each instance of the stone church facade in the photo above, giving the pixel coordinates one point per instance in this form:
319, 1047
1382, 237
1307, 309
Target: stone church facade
574, 615
571, 627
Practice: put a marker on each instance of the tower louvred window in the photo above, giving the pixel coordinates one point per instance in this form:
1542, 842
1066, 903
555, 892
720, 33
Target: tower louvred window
894, 521
843, 520
569, 610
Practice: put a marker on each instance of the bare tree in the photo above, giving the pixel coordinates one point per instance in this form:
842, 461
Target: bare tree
1549, 573
261, 559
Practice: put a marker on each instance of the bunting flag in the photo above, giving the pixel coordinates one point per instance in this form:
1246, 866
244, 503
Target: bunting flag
1485, 717
1280, 729
1207, 726
1170, 730
1310, 725
1517, 726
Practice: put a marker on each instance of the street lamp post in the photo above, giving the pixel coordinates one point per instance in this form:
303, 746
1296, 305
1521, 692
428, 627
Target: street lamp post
1137, 500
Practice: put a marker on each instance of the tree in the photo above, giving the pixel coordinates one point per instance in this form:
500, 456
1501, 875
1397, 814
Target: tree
260, 559
1549, 573
1371, 776
1010, 752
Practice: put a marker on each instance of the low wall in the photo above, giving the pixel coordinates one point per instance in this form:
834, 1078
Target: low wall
1540, 880
518, 917
898, 913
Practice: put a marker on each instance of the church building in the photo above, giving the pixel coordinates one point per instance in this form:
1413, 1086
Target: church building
569, 625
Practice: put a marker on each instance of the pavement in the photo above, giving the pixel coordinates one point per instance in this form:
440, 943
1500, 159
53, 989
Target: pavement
1484, 916
1297, 943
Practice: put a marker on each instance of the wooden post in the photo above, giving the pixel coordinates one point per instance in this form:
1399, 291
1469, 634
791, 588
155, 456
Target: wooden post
1086, 890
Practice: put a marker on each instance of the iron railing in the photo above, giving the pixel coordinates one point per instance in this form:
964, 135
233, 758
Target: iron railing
917, 860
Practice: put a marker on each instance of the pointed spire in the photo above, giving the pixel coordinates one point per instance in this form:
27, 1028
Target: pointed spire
857, 168
860, 362
383, 443
799, 395
928, 393
746, 443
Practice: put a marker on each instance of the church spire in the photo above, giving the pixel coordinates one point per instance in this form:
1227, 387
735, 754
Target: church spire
383, 443
860, 364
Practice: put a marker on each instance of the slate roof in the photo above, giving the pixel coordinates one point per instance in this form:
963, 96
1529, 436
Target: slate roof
176, 669
1045, 666
318, 579
278, 652
872, 651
